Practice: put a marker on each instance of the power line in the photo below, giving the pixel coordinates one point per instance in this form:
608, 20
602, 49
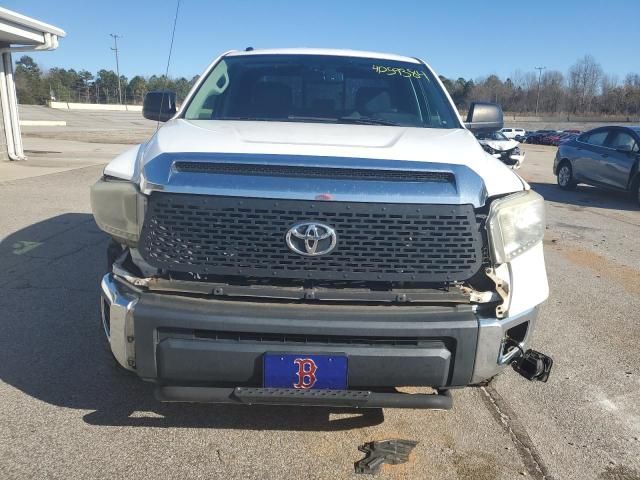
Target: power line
540, 69
166, 72
173, 34
115, 49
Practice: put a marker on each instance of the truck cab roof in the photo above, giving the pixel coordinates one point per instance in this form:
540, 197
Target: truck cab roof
324, 51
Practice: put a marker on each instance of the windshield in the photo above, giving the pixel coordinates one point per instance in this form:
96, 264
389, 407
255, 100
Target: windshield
319, 88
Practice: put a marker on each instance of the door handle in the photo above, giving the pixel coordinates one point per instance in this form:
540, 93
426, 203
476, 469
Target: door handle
604, 155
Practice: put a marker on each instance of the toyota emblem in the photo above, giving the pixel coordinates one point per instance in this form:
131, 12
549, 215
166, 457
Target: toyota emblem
311, 239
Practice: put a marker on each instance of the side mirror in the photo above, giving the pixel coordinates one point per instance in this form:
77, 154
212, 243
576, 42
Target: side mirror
484, 117
159, 105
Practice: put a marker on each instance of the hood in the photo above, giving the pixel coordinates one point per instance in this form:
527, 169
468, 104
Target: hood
435, 146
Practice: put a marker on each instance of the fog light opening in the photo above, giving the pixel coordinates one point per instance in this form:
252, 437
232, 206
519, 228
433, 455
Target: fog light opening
105, 310
518, 333
513, 344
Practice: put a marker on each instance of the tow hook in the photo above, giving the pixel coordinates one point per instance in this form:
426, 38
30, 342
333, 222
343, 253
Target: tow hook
533, 365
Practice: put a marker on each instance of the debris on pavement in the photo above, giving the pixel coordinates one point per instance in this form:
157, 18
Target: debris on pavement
392, 452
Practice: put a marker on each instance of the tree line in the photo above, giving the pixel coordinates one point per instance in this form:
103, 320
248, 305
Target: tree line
584, 89
35, 86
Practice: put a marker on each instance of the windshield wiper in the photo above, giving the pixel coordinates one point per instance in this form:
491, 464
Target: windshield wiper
368, 121
252, 119
309, 118
303, 118
290, 118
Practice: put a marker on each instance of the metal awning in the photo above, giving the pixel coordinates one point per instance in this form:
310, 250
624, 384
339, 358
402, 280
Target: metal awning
19, 33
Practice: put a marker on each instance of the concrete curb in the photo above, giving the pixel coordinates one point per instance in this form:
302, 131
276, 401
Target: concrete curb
43, 123
95, 106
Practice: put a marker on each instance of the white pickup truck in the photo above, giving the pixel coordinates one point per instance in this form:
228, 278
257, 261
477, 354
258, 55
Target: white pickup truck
317, 227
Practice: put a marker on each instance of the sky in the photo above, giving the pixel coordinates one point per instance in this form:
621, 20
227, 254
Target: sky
457, 38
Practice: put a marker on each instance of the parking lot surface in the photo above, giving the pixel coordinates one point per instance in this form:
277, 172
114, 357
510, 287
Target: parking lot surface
66, 412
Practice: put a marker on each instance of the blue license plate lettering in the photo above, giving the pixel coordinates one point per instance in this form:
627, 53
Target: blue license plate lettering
305, 371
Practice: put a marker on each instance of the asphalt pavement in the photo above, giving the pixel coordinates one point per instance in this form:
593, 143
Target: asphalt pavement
66, 412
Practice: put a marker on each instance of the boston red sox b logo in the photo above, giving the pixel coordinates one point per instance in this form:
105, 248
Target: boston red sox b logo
306, 373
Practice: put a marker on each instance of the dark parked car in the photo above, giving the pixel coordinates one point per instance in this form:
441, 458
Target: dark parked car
604, 157
550, 138
536, 137
559, 138
567, 137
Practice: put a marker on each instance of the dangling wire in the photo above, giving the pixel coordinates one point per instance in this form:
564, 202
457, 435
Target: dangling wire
166, 72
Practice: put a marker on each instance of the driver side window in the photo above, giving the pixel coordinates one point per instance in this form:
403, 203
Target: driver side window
621, 139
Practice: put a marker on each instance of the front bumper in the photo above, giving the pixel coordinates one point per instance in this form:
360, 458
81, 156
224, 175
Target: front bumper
183, 341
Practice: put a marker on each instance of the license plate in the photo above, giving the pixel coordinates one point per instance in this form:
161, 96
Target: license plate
305, 371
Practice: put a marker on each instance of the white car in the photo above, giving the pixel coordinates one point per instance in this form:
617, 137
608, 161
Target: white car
514, 132
499, 146
316, 227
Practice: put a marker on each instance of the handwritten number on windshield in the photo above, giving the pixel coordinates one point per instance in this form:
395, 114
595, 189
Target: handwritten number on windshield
403, 72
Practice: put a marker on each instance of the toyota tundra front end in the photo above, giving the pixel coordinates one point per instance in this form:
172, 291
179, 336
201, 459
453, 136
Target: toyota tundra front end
318, 227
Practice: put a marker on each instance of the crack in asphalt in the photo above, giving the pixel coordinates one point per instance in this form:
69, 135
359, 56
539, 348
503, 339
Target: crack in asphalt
505, 416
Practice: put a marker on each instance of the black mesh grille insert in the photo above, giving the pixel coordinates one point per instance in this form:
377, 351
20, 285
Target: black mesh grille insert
375, 242
385, 175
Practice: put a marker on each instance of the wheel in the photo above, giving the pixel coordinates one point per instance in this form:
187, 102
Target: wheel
565, 176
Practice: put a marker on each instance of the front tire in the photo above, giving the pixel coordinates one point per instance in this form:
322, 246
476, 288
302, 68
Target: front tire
565, 176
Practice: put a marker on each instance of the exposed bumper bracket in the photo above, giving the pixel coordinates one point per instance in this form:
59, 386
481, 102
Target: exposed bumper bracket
534, 365
284, 396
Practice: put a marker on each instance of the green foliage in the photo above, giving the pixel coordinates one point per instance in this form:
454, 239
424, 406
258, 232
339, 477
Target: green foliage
460, 90
36, 87
29, 85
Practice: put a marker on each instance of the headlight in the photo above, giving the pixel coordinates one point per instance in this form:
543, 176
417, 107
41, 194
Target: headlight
515, 224
117, 207
516, 151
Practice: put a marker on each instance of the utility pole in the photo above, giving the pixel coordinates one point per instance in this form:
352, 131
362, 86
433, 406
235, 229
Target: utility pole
540, 69
115, 49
